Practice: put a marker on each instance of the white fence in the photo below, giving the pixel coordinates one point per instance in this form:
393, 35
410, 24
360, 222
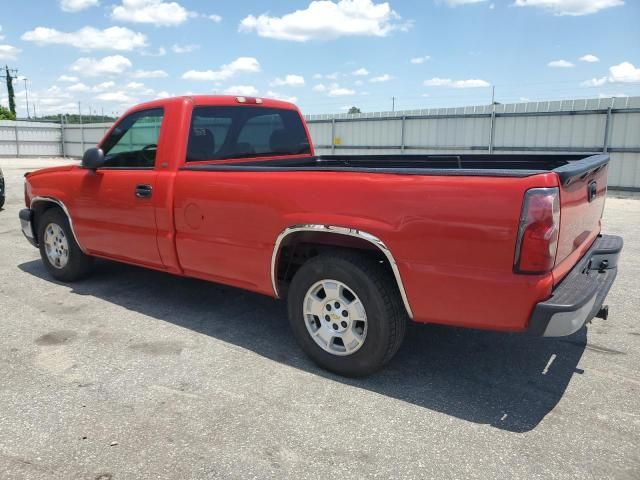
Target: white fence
569, 126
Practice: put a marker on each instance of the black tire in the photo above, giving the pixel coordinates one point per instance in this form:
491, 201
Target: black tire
78, 264
376, 289
2, 199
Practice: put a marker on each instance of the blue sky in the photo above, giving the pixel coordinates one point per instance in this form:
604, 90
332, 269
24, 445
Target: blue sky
324, 55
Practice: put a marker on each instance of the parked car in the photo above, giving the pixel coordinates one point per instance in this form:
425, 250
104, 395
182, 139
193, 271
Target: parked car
2, 192
229, 189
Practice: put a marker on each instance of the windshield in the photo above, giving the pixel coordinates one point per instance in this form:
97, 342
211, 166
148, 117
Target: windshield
218, 133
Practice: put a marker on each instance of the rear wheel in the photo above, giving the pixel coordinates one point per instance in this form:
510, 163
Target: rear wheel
59, 251
345, 312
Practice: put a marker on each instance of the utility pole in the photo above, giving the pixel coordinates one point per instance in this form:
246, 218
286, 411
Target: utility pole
393, 104
492, 126
79, 113
26, 96
10, 74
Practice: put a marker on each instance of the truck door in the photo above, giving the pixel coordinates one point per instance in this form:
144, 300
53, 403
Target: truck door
115, 210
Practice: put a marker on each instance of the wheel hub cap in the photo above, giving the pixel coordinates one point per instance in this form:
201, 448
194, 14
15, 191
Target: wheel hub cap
56, 245
335, 317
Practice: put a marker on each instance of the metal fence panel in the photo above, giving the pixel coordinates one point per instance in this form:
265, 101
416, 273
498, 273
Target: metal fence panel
566, 126
33, 139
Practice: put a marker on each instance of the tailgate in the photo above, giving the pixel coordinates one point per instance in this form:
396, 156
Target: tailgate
583, 187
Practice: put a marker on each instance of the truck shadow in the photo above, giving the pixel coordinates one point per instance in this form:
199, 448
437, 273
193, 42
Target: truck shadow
509, 381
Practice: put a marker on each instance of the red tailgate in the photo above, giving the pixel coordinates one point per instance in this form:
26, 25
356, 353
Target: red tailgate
581, 205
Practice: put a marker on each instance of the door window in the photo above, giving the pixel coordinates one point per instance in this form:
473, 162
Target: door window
133, 143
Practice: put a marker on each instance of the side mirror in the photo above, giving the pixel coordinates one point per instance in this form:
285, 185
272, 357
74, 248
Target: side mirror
93, 158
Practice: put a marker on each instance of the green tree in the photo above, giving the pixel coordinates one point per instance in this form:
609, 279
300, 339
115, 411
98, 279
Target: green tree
353, 110
5, 114
12, 97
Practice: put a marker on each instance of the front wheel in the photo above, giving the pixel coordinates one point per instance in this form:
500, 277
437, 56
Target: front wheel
59, 251
346, 314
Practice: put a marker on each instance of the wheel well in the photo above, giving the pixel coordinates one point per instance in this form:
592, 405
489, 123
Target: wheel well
299, 247
38, 209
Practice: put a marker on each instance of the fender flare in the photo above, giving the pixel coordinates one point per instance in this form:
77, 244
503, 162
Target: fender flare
337, 230
64, 208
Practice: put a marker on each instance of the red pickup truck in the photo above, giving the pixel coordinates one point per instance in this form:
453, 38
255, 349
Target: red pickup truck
228, 189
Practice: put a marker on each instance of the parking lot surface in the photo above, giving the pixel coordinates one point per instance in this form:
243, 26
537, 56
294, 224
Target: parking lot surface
135, 374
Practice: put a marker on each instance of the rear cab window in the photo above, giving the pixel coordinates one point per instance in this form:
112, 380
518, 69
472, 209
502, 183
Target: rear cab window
222, 133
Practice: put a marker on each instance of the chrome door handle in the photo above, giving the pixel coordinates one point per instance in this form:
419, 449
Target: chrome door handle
144, 191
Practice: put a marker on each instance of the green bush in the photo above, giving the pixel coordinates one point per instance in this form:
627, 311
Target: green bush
5, 114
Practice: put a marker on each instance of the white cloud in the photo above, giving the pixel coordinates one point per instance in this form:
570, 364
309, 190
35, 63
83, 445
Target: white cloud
245, 90
118, 97
589, 58
79, 87
77, 5
381, 78
625, 72
279, 96
419, 60
570, 7
138, 87
157, 12
358, 82
319, 88
1, 36
215, 18
163, 94
594, 82
360, 72
184, 48
101, 87
91, 67
337, 91
289, 80
51, 97
447, 82
88, 38
67, 78
560, 64
149, 74
324, 19
9, 52
239, 65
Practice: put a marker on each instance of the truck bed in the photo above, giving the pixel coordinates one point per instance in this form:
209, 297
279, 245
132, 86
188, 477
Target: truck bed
566, 166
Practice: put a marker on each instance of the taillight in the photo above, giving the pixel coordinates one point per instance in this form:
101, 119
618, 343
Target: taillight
538, 231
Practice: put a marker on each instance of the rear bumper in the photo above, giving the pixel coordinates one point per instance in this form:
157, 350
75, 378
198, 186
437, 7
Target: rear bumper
26, 222
580, 295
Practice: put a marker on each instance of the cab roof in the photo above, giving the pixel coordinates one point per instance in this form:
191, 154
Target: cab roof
218, 100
